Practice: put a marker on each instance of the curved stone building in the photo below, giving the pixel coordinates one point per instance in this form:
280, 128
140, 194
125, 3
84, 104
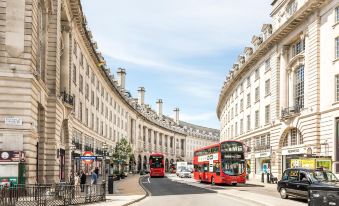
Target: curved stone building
56, 91
281, 96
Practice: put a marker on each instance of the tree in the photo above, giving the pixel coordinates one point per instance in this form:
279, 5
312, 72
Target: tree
122, 152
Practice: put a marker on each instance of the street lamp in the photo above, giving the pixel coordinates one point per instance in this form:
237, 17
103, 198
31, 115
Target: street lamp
104, 149
72, 147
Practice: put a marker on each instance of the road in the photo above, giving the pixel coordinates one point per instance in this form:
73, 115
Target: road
163, 191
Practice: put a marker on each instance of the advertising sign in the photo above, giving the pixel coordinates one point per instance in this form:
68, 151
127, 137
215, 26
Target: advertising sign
8, 181
295, 163
324, 163
308, 163
11, 156
208, 157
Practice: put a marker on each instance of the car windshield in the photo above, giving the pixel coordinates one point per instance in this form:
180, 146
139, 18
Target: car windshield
233, 167
325, 176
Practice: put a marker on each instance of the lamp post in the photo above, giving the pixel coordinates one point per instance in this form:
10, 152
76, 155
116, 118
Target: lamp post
104, 149
72, 149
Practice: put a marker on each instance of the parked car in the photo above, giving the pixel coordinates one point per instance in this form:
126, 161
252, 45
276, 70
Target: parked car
295, 182
185, 173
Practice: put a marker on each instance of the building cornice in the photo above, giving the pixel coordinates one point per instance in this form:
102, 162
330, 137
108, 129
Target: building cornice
263, 48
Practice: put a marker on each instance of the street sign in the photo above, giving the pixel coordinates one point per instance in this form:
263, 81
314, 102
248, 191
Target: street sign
88, 157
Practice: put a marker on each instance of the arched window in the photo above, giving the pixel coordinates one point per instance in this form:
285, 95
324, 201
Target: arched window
41, 40
299, 87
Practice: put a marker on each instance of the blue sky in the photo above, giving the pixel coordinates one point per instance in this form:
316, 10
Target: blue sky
179, 50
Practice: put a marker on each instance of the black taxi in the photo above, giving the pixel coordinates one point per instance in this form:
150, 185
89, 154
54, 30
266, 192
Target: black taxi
296, 182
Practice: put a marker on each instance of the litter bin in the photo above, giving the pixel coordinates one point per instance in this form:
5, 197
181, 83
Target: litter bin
110, 184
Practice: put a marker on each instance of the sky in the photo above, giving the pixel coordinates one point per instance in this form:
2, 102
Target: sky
179, 50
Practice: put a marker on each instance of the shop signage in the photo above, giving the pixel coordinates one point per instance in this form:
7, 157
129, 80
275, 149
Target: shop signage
293, 151
208, 157
88, 157
13, 121
8, 181
233, 156
12, 156
262, 154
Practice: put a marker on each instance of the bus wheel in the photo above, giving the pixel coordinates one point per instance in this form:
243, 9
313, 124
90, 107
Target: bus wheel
212, 181
234, 184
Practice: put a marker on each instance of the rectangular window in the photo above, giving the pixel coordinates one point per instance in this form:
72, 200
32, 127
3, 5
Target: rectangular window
257, 94
236, 129
93, 78
267, 65
81, 59
97, 105
87, 69
241, 87
86, 116
80, 111
268, 87
248, 122
337, 14
299, 87
248, 99
293, 137
92, 97
337, 48
257, 119
241, 105
256, 74
75, 48
74, 74
236, 109
232, 113
86, 91
248, 81
92, 121
81, 83
268, 139
241, 126
337, 87
267, 114
298, 47
97, 125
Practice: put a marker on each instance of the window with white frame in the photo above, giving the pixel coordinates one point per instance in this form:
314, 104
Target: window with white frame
236, 109
267, 64
267, 114
257, 119
80, 111
241, 126
291, 8
267, 87
248, 99
248, 81
337, 14
257, 94
241, 87
268, 139
293, 136
337, 87
241, 105
248, 122
299, 87
256, 74
337, 48
298, 47
236, 129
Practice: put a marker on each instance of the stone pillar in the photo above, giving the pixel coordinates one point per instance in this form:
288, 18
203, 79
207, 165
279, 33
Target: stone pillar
65, 68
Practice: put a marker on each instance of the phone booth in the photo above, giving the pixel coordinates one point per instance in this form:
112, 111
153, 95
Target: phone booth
12, 168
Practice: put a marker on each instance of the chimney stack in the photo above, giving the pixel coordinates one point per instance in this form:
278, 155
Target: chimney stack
122, 77
141, 98
159, 104
176, 110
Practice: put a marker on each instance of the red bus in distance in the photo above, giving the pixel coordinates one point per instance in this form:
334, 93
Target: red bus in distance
221, 163
156, 164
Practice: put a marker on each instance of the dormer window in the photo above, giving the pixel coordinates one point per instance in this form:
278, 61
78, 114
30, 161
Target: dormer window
292, 8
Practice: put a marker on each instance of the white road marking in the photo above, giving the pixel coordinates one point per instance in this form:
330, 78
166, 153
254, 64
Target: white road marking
148, 180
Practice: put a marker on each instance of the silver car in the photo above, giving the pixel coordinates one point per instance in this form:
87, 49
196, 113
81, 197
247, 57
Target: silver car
185, 173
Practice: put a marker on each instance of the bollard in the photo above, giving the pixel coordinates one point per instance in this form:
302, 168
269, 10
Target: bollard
110, 184
262, 177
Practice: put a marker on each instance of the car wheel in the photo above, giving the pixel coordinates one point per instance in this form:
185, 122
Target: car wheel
212, 181
283, 193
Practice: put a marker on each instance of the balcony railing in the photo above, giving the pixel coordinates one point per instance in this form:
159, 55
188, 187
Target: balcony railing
290, 111
262, 147
67, 98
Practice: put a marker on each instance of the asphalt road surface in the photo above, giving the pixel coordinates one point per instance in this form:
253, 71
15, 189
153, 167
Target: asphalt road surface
165, 192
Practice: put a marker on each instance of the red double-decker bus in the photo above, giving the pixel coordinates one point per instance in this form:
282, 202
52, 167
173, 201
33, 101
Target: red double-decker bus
221, 163
156, 164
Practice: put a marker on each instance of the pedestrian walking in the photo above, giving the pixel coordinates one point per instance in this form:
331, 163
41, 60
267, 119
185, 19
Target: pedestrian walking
94, 178
97, 171
82, 181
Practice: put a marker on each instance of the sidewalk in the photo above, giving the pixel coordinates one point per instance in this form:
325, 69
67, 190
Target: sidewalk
266, 185
126, 192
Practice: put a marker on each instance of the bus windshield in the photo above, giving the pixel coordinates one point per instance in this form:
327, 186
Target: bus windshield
156, 162
233, 167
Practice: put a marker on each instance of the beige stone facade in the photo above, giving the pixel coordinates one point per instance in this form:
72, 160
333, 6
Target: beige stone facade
56, 90
281, 97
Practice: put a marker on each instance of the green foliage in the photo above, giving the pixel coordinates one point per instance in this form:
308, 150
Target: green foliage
122, 152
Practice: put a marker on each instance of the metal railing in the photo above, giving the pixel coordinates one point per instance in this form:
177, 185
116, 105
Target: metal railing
290, 111
67, 98
51, 195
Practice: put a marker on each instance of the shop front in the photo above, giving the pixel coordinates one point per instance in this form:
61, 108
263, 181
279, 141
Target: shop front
302, 158
262, 163
12, 168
